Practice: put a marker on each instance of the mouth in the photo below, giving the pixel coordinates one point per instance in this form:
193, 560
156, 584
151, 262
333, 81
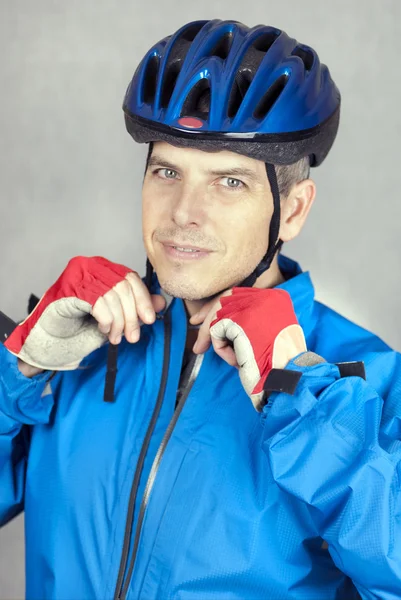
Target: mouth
184, 251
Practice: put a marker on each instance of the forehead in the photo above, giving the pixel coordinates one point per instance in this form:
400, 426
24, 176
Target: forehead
195, 158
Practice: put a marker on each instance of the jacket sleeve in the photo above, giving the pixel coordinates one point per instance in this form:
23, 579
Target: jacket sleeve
23, 402
328, 446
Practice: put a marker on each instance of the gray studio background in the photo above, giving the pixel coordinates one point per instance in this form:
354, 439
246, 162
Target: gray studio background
70, 176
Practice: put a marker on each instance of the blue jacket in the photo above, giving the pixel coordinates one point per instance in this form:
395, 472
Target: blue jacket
213, 501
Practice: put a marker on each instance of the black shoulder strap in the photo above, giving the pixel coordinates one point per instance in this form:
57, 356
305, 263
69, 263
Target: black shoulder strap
7, 325
32, 302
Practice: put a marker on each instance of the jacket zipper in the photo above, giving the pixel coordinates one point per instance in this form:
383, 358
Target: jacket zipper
141, 460
153, 472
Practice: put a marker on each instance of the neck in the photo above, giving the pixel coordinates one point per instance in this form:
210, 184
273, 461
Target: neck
270, 278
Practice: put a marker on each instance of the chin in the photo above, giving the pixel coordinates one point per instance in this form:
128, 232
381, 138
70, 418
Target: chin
183, 289
187, 289
200, 284
181, 285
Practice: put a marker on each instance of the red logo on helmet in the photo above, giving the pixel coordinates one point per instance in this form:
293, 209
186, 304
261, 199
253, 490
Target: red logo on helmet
191, 122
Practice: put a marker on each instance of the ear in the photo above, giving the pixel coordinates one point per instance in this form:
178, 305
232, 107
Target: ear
295, 209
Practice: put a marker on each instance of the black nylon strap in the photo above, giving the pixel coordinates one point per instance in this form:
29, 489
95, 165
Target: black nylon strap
149, 274
282, 380
352, 369
7, 326
111, 373
149, 268
275, 222
274, 230
32, 302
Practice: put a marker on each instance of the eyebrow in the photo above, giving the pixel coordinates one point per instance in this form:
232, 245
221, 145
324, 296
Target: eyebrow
230, 171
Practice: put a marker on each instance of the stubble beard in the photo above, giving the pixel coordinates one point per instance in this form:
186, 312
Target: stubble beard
184, 287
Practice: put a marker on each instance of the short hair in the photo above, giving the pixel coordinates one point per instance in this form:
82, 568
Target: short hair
290, 175
287, 175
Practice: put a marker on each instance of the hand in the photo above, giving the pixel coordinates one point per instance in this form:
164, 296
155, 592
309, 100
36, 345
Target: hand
222, 347
93, 299
262, 327
125, 308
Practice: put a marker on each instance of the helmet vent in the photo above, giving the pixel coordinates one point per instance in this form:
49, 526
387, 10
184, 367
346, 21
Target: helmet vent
170, 77
270, 97
178, 52
191, 32
223, 46
257, 51
197, 103
240, 87
248, 68
305, 55
264, 42
150, 79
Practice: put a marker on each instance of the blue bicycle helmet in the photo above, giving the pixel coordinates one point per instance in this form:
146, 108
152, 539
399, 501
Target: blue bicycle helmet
270, 98
267, 96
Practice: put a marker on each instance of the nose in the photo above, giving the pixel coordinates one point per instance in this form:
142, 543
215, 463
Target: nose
189, 206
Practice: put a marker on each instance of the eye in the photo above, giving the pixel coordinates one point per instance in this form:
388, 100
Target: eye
165, 173
232, 183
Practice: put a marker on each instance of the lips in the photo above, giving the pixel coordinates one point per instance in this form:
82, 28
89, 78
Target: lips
184, 252
185, 246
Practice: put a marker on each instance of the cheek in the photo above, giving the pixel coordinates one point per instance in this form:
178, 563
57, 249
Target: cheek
248, 229
156, 202
152, 209
149, 221
148, 213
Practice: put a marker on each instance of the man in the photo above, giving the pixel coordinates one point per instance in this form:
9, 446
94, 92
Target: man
233, 457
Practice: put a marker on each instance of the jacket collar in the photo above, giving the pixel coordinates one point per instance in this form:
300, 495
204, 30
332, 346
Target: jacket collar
300, 287
298, 284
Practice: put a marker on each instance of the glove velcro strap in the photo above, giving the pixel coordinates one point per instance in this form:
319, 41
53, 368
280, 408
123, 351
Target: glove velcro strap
281, 380
285, 380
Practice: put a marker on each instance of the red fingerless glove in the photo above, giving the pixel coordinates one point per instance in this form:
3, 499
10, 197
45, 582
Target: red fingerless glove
264, 330
60, 331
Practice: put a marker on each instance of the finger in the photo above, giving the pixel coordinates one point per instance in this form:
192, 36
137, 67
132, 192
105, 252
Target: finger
224, 348
201, 345
205, 310
112, 299
227, 353
103, 315
201, 315
203, 340
143, 300
219, 343
158, 302
131, 323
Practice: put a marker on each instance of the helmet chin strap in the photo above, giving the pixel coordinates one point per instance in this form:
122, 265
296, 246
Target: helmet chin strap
149, 268
274, 242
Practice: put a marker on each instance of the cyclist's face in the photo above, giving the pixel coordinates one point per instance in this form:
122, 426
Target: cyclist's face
219, 204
